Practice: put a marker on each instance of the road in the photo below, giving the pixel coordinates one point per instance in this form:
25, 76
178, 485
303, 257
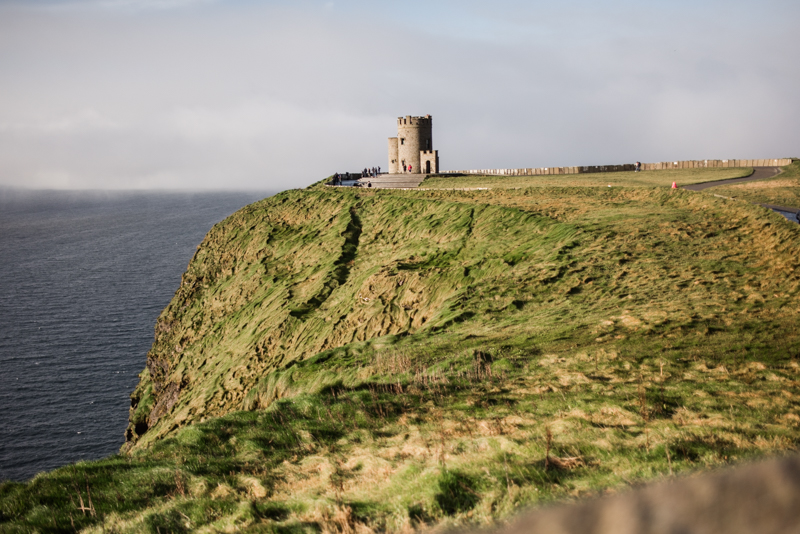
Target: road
760, 173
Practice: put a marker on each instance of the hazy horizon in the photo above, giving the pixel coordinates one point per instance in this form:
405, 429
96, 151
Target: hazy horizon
212, 95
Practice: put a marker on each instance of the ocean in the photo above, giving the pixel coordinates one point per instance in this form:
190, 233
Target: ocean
83, 277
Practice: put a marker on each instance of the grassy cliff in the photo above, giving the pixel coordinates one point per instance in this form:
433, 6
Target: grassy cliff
340, 360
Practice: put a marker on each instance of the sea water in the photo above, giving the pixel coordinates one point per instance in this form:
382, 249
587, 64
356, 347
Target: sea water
83, 277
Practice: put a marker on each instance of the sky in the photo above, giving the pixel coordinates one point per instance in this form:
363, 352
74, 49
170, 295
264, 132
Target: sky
245, 94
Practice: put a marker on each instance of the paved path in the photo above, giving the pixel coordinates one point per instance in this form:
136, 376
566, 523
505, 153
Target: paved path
395, 181
783, 208
760, 173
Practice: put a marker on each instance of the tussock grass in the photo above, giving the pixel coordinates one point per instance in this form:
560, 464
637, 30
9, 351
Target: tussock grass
447, 438
574, 341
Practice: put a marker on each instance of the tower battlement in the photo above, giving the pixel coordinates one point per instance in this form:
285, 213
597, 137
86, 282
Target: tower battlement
409, 120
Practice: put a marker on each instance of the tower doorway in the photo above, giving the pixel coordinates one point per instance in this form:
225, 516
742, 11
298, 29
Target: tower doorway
428, 167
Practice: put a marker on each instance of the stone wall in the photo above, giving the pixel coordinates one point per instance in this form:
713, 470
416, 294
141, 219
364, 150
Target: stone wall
394, 162
694, 164
762, 498
429, 161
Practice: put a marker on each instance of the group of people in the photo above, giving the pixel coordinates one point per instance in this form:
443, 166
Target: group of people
373, 172
337, 178
366, 173
637, 166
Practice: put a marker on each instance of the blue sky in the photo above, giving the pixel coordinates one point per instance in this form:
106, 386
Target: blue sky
204, 94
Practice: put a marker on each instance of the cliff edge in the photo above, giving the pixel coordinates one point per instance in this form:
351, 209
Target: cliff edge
305, 271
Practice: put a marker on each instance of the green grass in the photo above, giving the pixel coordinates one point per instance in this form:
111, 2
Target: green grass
398, 359
418, 432
662, 178
783, 190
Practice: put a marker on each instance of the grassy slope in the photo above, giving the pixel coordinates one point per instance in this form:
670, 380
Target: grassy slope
783, 190
645, 331
344, 267
617, 179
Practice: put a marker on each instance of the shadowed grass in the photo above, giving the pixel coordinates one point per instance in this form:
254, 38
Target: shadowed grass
437, 431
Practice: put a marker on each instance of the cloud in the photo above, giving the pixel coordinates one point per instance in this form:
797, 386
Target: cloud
138, 5
127, 6
272, 95
85, 120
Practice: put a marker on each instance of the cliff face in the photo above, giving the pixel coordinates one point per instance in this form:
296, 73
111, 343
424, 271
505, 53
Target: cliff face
306, 271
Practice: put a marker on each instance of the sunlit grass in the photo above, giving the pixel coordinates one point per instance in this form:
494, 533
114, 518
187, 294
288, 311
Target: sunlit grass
646, 331
783, 190
662, 178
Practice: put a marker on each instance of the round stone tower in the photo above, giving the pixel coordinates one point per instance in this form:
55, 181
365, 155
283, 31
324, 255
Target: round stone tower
414, 138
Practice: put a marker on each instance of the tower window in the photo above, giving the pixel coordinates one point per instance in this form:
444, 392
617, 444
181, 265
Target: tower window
402, 141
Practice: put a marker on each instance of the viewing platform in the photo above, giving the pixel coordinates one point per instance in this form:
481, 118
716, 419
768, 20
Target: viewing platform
388, 181
395, 181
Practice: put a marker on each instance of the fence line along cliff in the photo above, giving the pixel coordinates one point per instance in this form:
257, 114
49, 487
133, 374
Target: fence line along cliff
663, 165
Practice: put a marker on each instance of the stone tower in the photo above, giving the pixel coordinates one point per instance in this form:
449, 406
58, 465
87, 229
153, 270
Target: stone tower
413, 146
